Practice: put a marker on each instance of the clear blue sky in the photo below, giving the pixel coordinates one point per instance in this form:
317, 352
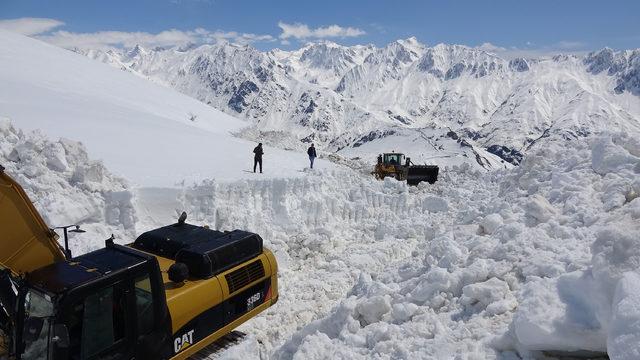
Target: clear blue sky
571, 24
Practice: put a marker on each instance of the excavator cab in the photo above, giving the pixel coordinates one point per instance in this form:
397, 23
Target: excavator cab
124, 302
107, 304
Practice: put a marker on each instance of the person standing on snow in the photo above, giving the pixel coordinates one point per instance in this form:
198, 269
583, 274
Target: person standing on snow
257, 157
311, 151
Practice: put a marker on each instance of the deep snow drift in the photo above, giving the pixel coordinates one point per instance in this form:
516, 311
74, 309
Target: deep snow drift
477, 266
149, 134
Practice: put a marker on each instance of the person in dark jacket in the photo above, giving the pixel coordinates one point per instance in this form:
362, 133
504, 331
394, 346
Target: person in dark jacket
257, 157
311, 151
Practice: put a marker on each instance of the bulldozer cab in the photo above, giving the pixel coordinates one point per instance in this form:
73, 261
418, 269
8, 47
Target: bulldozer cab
393, 159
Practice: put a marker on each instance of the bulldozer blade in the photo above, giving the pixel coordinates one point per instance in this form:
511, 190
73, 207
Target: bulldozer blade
419, 173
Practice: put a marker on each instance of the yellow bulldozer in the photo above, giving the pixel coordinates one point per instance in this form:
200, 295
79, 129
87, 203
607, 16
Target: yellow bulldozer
170, 294
401, 168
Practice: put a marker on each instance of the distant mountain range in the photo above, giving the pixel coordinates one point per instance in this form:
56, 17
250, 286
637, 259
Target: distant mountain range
437, 102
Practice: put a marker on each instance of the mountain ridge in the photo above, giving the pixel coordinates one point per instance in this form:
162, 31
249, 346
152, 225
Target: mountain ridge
338, 95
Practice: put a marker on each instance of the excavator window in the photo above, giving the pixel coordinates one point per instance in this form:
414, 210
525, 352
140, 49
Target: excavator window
38, 311
144, 305
97, 324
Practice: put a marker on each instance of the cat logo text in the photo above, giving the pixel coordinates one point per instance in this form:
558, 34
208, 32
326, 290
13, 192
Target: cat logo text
183, 342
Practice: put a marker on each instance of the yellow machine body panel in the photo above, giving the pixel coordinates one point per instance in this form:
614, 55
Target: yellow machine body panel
26, 241
194, 297
381, 171
190, 299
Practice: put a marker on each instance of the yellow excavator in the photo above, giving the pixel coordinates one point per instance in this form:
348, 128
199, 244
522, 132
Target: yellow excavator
397, 166
170, 294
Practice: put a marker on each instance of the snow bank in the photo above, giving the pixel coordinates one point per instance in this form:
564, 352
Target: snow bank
581, 310
67, 187
517, 262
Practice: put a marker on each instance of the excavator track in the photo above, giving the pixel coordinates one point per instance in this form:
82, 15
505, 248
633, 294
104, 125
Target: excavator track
213, 350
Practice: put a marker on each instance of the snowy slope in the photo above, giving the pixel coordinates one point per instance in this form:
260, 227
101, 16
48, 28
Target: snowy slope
142, 131
338, 96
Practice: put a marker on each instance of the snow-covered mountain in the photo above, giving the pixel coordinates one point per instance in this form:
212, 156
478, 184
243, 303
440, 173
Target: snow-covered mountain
343, 97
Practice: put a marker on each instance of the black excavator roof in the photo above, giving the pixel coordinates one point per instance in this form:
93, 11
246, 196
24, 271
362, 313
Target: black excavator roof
206, 252
65, 275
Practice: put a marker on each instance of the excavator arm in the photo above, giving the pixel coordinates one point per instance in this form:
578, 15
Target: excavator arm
26, 241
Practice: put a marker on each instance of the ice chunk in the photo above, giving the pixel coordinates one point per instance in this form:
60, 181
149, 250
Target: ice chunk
403, 311
623, 340
436, 280
552, 316
539, 210
56, 157
608, 157
372, 309
615, 252
491, 223
486, 292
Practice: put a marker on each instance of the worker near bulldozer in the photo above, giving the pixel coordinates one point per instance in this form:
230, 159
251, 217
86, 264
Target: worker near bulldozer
311, 151
257, 157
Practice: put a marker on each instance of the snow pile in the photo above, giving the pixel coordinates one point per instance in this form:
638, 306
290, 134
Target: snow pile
67, 187
589, 309
440, 271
